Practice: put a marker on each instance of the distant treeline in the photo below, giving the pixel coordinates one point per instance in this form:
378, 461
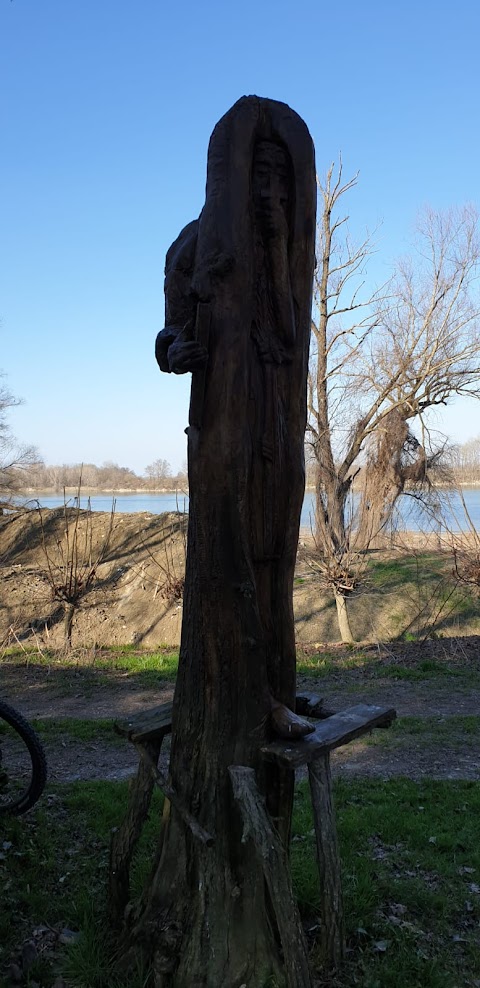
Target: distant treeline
461, 462
464, 462
107, 477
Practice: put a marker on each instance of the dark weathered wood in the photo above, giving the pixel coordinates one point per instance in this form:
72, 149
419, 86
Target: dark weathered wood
125, 839
150, 728
306, 702
202, 336
274, 862
161, 780
244, 268
331, 941
149, 725
330, 733
156, 722
312, 705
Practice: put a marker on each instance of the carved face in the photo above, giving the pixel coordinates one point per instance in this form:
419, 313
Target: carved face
271, 177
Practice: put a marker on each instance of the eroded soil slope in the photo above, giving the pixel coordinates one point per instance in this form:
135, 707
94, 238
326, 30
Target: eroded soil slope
139, 564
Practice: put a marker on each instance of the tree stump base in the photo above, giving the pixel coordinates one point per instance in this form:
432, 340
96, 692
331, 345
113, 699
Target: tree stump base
333, 730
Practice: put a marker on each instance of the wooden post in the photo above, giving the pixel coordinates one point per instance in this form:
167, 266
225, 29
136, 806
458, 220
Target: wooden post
332, 937
147, 731
125, 839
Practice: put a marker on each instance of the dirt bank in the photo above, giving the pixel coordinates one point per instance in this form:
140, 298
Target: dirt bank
139, 565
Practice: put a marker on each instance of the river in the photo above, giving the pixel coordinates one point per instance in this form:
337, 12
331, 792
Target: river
411, 517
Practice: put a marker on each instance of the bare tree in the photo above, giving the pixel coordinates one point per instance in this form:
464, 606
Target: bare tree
380, 362
72, 562
344, 317
112, 477
158, 473
15, 457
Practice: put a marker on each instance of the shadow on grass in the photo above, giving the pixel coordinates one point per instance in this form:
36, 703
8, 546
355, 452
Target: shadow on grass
85, 672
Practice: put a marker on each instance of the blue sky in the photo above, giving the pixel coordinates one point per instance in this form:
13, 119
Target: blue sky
106, 108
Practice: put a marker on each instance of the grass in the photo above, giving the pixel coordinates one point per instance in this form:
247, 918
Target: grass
425, 669
450, 743
439, 729
93, 669
404, 568
373, 664
410, 865
51, 730
54, 865
89, 672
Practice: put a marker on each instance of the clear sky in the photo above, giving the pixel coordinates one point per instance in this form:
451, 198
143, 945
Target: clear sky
106, 111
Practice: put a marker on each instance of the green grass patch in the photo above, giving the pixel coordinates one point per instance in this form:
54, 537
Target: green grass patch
327, 663
150, 667
410, 868
402, 569
53, 871
372, 665
425, 669
52, 729
452, 733
90, 672
95, 669
416, 595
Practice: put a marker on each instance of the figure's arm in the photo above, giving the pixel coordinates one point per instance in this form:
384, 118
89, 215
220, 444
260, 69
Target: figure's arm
177, 351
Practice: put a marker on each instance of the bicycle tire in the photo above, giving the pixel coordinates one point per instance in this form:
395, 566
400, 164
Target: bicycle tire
21, 802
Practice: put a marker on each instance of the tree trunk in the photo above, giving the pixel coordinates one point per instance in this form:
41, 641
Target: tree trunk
395, 460
206, 919
68, 613
346, 633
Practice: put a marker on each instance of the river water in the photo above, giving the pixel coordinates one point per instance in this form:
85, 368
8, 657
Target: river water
410, 515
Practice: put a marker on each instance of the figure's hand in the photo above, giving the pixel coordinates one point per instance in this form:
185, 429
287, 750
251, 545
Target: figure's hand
163, 343
184, 356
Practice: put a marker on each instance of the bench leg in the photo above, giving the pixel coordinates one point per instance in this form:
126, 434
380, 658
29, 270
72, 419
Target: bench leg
125, 839
332, 937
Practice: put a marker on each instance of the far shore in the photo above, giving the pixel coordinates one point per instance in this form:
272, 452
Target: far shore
73, 490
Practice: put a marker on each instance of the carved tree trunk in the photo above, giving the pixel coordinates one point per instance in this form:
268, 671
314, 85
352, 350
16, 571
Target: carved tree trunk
206, 918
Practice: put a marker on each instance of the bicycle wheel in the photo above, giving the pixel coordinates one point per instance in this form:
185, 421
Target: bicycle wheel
23, 768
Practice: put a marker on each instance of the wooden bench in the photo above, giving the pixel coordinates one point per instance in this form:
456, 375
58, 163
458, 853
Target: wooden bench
147, 731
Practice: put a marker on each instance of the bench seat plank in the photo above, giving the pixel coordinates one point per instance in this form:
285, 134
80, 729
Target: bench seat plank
330, 733
149, 725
